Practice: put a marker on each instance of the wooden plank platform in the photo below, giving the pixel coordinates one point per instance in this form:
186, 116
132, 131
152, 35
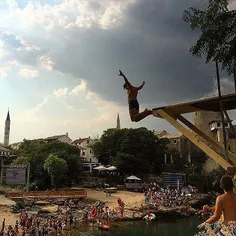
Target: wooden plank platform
206, 104
49, 194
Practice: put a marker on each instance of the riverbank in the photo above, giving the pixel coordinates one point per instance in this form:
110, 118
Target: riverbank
135, 207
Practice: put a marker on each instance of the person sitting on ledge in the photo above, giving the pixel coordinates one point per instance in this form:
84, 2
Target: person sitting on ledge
225, 208
132, 91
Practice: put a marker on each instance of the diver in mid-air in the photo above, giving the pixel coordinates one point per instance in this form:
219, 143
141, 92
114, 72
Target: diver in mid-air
132, 92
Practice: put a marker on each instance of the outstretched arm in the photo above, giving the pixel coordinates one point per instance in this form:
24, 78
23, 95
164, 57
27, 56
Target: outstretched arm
217, 213
126, 80
141, 86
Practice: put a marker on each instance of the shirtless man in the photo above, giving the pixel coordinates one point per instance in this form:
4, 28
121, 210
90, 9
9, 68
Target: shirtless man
225, 207
132, 100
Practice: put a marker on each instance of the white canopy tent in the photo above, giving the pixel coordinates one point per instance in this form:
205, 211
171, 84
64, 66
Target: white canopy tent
112, 168
132, 177
100, 168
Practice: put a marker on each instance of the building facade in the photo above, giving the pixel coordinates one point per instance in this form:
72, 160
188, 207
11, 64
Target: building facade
177, 141
86, 151
64, 138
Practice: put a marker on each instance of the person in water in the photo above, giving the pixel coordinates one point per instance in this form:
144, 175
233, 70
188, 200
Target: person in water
132, 91
225, 207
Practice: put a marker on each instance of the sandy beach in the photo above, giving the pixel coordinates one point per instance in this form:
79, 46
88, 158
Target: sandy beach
131, 199
5, 205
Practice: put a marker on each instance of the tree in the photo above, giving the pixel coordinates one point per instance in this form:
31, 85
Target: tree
36, 152
56, 168
131, 150
218, 33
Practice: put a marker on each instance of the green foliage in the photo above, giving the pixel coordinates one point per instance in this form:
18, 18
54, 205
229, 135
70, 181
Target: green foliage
218, 33
36, 153
21, 161
56, 168
130, 164
131, 150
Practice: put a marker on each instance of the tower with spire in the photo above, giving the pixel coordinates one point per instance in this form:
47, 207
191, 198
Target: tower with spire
7, 129
118, 121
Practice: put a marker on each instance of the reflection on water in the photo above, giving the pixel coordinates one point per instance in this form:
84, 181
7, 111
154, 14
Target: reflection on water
179, 227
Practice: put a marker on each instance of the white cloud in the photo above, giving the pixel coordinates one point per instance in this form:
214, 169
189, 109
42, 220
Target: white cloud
226, 85
5, 68
46, 63
27, 73
61, 92
15, 51
3, 51
88, 115
81, 87
68, 13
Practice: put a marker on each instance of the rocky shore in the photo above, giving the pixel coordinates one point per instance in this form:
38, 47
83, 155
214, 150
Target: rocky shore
135, 209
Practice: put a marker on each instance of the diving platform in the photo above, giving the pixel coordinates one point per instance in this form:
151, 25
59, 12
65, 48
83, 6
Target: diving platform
214, 149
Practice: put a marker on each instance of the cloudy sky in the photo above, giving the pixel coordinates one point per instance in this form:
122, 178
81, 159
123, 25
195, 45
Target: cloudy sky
59, 61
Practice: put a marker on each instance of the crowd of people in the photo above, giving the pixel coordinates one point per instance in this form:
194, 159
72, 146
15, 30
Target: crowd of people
102, 214
40, 225
99, 213
168, 197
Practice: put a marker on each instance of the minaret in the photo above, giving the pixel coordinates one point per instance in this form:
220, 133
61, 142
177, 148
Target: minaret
7, 129
118, 122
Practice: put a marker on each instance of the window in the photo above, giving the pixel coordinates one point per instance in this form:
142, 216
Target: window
218, 124
90, 151
175, 141
226, 124
88, 141
83, 153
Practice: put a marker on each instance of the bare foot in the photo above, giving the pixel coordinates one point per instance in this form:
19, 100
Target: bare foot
149, 112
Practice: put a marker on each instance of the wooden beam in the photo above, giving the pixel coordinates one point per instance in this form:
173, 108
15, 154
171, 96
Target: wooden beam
205, 137
194, 139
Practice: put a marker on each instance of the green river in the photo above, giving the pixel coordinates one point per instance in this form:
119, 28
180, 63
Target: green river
179, 227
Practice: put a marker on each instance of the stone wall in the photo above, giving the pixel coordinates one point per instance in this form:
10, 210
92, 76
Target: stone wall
202, 120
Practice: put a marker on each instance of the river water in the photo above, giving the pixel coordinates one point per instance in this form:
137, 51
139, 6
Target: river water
179, 227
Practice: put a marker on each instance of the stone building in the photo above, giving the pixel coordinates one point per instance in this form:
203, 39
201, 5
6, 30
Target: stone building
177, 141
4, 152
84, 144
211, 124
64, 138
203, 119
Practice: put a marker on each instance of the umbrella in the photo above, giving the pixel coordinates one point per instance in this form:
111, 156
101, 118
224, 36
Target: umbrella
111, 168
132, 177
100, 168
